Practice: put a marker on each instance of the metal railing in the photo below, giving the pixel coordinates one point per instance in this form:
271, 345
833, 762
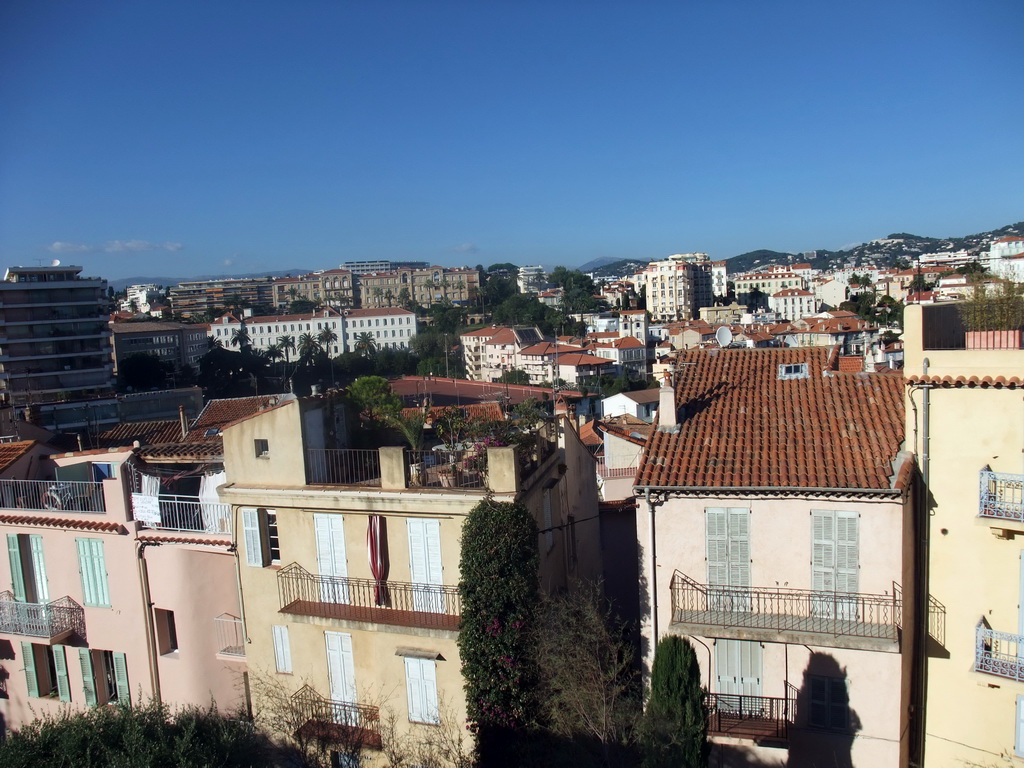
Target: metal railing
1001, 496
447, 469
53, 495
48, 620
786, 610
757, 717
190, 513
367, 599
611, 472
230, 637
999, 653
353, 724
343, 466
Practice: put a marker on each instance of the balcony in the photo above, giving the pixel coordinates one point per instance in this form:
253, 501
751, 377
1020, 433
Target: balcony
343, 466
606, 472
761, 718
402, 604
230, 637
336, 722
53, 495
833, 619
1001, 496
181, 513
55, 621
999, 653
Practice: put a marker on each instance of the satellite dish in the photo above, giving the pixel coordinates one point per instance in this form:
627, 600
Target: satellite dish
723, 336
55, 263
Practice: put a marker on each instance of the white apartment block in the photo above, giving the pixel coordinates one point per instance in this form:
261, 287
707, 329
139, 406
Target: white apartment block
388, 327
677, 287
532, 279
793, 303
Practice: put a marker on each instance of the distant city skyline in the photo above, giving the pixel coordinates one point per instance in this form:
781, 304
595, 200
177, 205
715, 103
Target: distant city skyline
195, 138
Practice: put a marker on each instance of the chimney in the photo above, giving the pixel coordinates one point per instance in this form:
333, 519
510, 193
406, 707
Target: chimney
667, 416
183, 420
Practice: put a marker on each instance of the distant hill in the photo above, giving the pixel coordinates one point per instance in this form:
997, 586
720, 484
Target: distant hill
612, 268
883, 252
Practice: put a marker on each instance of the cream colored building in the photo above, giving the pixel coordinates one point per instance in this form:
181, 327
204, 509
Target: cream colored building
965, 417
350, 566
676, 287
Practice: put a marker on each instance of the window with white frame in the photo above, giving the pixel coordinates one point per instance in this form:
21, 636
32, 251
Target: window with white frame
282, 649
260, 534
421, 686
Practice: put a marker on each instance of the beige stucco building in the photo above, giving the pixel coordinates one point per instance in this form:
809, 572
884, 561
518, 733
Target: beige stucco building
350, 565
965, 416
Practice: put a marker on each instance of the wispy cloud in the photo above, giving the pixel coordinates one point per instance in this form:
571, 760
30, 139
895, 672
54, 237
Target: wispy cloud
466, 248
113, 246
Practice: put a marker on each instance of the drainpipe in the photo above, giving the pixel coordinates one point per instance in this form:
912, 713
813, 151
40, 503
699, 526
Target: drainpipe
147, 612
241, 603
653, 576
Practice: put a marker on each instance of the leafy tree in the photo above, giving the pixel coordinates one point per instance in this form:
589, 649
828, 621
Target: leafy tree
146, 735
504, 269
515, 376
301, 307
675, 730
998, 310
498, 585
372, 396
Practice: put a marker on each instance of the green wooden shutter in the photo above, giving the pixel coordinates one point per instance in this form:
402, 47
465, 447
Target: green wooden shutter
60, 663
35, 543
88, 680
93, 568
17, 575
29, 660
121, 678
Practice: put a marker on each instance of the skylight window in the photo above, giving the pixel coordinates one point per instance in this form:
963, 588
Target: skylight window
793, 371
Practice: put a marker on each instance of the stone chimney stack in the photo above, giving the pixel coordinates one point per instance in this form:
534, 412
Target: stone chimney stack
668, 420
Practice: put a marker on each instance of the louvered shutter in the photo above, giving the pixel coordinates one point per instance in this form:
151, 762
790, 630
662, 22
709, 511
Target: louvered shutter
739, 547
88, 678
253, 540
93, 569
17, 574
430, 710
414, 689
1018, 742
28, 660
35, 543
60, 665
819, 702
838, 703
717, 539
823, 551
121, 678
847, 552
331, 557
282, 648
341, 666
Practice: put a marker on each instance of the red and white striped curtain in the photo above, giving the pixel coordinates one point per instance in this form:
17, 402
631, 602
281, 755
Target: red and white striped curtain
377, 549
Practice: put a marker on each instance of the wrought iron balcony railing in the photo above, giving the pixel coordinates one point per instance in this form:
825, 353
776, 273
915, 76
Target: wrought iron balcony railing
1001, 496
752, 717
999, 653
182, 513
51, 620
343, 466
230, 637
338, 722
838, 614
384, 602
53, 495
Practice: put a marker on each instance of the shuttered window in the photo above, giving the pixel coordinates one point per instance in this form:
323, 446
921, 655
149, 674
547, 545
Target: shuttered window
835, 553
88, 677
60, 664
93, 570
255, 554
35, 544
121, 677
421, 687
425, 564
830, 703
28, 660
727, 533
17, 574
282, 648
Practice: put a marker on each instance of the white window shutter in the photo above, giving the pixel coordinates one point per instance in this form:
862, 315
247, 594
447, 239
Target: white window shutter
716, 535
282, 648
432, 537
340, 666
822, 551
739, 547
253, 540
847, 552
417, 551
1018, 742
414, 689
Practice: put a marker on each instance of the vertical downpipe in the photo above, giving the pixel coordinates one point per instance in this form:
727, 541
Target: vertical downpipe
147, 612
653, 577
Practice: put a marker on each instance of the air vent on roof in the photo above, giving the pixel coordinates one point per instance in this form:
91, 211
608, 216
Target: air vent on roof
793, 371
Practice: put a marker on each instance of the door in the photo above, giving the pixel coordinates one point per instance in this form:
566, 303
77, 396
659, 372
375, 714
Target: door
330, 558
835, 564
425, 565
727, 532
739, 669
342, 676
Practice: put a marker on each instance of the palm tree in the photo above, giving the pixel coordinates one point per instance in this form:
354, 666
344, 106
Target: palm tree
287, 343
365, 343
309, 348
326, 338
388, 296
240, 337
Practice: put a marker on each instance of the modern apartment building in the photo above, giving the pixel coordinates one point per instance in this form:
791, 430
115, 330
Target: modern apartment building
774, 522
350, 565
676, 287
965, 420
205, 296
54, 339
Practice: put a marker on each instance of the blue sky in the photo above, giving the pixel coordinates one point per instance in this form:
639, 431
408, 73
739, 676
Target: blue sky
181, 138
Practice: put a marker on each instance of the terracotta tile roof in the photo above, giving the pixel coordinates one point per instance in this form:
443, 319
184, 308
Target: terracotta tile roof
643, 395
548, 348
589, 435
11, 452
581, 359
146, 432
99, 525
741, 427
461, 391
502, 336
968, 381
218, 414
472, 411
851, 364
378, 312
628, 427
166, 537
208, 452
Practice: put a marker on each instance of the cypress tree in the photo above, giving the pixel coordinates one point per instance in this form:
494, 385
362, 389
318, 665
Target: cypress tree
675, 733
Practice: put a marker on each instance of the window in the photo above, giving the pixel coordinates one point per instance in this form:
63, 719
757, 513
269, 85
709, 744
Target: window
104, 676
46, 671
421, 686
262, 541
262, 448
282, 649
830, 703
793, 371
28, 568
727, 541
92, 568
166, 631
